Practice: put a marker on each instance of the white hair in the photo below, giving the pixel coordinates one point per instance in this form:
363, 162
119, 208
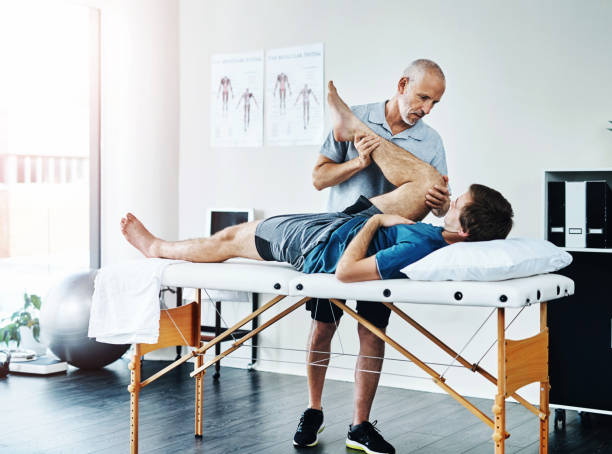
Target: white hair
420, 67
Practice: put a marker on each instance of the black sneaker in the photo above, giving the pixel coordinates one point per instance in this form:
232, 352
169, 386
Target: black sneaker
366, 437
309, 428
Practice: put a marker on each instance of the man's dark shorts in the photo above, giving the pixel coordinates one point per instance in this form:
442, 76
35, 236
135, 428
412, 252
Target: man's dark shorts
323, 310
270, 247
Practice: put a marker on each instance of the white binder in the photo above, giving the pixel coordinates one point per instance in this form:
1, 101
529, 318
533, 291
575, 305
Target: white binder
575, 214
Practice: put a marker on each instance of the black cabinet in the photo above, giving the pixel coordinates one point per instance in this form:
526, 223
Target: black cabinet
581, 336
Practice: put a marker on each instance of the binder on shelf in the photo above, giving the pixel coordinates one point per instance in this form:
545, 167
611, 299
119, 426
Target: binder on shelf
598, 212
556, 212
575, 214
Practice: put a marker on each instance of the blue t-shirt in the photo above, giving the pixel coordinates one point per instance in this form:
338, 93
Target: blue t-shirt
395, 247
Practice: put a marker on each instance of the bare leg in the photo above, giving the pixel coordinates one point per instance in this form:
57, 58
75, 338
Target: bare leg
319, 341
399, 166
235, 241
366, 383
409, 199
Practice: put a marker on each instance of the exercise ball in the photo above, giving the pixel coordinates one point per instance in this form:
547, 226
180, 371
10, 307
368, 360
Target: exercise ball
64, 321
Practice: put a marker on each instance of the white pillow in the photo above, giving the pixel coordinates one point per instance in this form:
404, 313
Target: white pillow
494, 260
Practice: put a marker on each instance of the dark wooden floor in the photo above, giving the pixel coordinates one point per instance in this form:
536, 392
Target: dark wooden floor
248, 412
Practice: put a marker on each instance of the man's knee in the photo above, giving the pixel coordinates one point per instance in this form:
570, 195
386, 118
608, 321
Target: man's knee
365, 335
431, 177
322, 332
228, 233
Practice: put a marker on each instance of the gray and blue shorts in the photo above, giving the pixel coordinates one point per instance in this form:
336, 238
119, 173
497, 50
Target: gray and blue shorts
289, 238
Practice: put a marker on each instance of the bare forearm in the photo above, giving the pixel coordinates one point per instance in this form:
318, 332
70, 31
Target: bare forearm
358, 247
331, 174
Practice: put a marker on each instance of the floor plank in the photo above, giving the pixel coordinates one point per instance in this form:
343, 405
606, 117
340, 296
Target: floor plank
251, 411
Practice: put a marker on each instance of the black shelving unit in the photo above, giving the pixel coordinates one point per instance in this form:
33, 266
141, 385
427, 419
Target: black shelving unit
580, 342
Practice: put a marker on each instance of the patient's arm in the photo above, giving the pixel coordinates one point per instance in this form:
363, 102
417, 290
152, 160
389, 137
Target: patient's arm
354, 266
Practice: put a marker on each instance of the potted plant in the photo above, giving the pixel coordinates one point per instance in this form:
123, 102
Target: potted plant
23, 324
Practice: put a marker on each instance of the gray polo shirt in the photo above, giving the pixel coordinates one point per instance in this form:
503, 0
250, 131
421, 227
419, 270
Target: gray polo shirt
421, 140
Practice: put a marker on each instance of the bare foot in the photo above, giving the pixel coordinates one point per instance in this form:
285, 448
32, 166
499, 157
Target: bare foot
138, 236
344, 122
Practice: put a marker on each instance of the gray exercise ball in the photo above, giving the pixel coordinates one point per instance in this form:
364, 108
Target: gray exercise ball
64, 321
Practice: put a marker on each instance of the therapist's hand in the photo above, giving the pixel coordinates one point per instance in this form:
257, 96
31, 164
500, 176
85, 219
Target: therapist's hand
438, 198
365, 146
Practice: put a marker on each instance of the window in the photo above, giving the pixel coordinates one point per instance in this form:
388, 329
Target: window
49, 145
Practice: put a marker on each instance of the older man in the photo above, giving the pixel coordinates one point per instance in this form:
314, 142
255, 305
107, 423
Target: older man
345, 164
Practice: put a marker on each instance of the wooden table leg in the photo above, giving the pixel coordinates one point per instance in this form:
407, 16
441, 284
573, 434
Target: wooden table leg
499, 408
199, 360
134, 389
544, 391
199, 420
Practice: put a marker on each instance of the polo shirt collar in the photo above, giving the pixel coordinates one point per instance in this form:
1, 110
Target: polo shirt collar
377, 116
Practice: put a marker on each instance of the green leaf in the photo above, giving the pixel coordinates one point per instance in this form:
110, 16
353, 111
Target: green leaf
36, 301
16, 314
36, 333
27, 300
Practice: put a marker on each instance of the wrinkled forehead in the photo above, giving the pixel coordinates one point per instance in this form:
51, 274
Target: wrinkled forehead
430, 83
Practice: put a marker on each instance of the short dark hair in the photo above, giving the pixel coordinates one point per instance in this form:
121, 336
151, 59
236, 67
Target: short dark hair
488, 216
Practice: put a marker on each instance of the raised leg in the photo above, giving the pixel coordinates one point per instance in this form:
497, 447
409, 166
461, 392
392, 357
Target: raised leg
544, 391
409, 199
398, 165
134, 389
499, 408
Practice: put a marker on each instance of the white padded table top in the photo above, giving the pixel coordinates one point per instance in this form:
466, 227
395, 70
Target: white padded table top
236, 274
282, 279
509, 293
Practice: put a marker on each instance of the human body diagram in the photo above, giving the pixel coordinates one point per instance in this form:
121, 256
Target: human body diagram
305, 93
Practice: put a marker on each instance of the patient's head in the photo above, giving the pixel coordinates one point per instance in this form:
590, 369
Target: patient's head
486, 215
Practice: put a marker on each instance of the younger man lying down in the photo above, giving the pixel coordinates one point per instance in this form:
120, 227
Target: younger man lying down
372, 239
358, 244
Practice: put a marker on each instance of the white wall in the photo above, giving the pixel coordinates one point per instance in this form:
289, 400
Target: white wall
139, 122
140, 117
528, 88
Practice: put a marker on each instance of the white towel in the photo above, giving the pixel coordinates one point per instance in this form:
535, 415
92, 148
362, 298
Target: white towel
125, 303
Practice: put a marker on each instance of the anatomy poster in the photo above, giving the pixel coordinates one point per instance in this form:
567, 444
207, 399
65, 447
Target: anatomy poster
294, 95
236, 107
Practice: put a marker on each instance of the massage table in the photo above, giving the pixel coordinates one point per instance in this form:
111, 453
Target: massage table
520, 362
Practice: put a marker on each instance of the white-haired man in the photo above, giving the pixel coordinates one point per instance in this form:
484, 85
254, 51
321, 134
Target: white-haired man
347, 167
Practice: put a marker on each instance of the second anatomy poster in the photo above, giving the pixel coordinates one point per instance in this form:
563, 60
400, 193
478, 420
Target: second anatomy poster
294, 95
